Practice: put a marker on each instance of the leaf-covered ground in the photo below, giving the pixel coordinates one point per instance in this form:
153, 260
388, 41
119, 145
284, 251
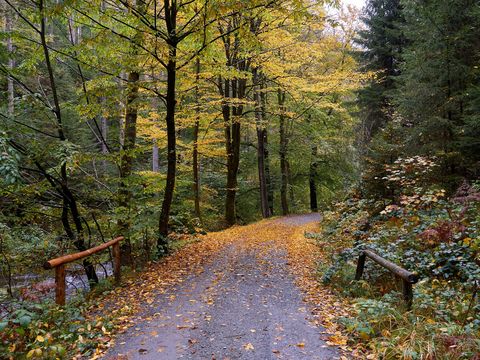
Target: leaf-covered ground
248, 292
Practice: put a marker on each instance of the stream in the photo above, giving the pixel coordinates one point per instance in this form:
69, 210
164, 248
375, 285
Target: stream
33, 286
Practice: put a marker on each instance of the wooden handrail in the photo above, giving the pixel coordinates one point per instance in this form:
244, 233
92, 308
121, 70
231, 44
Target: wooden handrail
408, 278
65, 259
59, 265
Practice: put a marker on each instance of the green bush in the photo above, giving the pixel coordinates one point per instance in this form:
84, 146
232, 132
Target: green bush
423, 231
46, 331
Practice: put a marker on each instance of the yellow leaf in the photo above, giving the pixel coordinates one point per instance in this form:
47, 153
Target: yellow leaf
364, 335
30, 353
40, 338
385, 333
248, 346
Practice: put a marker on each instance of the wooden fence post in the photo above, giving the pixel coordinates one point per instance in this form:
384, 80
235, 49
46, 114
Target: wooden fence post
116, 262
60, 285
408, 278
59, 265
407, 293
360, 266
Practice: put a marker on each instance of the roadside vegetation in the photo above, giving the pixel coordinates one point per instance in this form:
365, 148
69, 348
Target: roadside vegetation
417, 203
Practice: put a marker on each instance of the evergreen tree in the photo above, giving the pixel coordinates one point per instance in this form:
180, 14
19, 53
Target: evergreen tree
438, 73
382, 42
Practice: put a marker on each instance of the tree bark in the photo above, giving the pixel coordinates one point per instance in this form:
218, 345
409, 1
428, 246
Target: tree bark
234, 88
196, 127
291, 189
261, 137
11, 62
104, 128
283, 153
268, 178
231, 130
313, 180
69, 201
232, 111
171, 23
126, 163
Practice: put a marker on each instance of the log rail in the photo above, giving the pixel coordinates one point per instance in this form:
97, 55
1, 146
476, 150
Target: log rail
408, 278
59, 265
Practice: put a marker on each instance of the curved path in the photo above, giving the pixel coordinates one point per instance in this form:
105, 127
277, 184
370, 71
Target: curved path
244, 304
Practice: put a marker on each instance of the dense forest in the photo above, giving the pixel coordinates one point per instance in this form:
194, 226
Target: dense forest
112, 125
416, 202
161, 121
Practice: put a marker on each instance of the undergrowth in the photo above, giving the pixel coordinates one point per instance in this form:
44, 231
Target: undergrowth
44, 330
424, 230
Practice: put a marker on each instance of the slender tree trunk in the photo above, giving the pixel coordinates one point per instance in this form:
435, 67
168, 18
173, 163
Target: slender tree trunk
104, 128
291, 189
232, 113
261, 134
196, 127
231, 117
11, 62
69, 201
230, 215
130, 134
171, 147
283, 153
73, 31
268, 178
126, 163
313, 181
261, 137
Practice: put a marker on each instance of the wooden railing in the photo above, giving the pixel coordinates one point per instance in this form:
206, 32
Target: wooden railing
59, 265
408, 278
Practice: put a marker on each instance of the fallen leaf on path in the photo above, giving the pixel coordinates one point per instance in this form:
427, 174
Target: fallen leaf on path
248, 346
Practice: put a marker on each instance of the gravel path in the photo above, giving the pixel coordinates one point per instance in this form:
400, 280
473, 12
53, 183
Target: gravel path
244, 305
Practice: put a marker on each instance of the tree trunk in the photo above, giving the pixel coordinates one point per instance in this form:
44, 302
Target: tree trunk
232, 89
126, 163
231, 116
283, 153
121, 132
11, 62
230, 213
171, 146
261, 137
313, 181
104, 128
69, 201
196, 180
291, 189
268, 178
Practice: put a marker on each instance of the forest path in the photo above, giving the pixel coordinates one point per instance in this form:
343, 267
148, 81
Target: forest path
238, 298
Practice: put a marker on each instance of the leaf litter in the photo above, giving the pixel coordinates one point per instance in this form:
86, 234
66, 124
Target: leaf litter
124, 305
